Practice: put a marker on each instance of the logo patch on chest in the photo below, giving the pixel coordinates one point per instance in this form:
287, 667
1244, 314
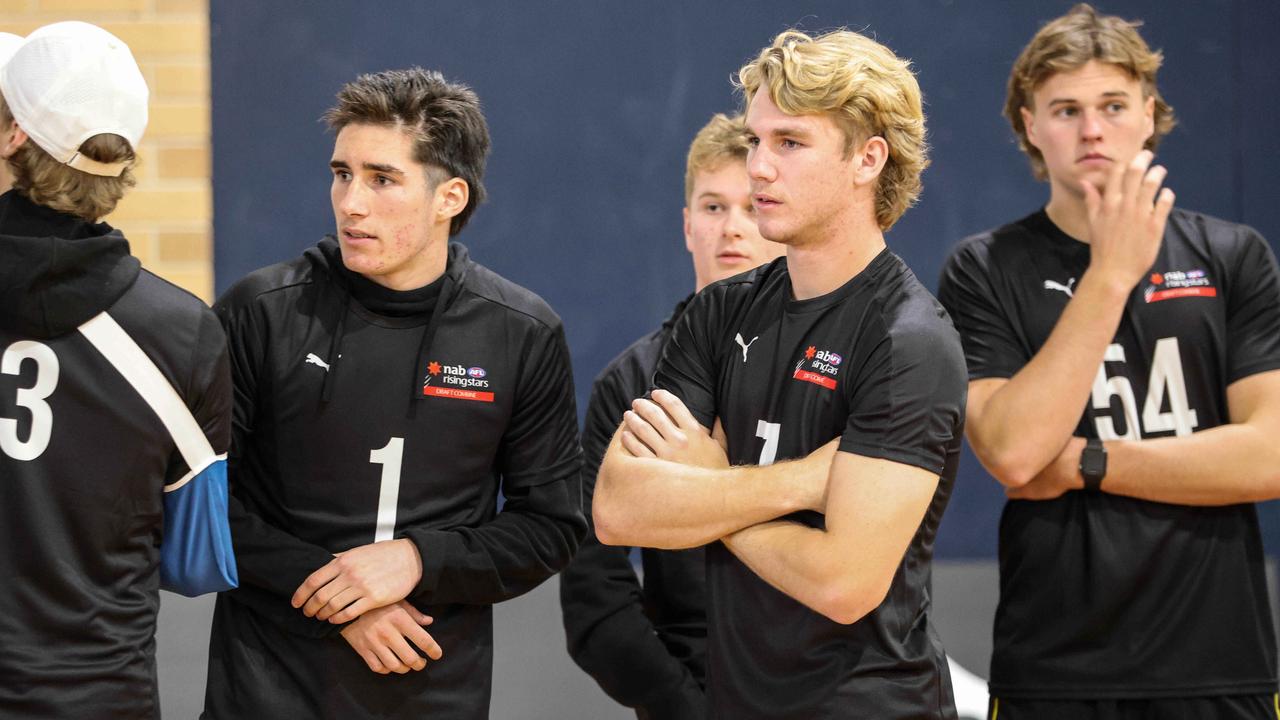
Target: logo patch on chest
1178, 284
819, 367
457, 381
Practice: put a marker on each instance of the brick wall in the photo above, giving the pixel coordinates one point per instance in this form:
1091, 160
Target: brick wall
168, 216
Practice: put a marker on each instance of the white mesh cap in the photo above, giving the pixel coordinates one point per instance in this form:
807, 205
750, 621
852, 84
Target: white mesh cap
70, 81
8, 44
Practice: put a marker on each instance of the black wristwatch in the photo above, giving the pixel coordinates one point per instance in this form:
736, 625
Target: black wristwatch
1093, 464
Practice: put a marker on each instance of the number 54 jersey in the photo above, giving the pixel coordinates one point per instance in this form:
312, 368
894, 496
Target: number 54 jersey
1107, 596
364, 414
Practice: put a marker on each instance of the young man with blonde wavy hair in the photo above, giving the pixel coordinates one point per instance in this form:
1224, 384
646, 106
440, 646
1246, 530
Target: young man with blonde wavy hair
808, 415
1132, 582
646, 646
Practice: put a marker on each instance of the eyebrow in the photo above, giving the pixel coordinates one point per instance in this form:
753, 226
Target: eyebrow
1107, 95
375, 167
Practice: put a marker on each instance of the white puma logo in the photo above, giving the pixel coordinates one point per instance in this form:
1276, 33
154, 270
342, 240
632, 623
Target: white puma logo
1051, 285
745, 345
311, 358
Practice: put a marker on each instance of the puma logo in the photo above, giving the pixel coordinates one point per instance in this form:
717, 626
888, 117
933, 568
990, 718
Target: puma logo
311, 358
744, 345
1051, 285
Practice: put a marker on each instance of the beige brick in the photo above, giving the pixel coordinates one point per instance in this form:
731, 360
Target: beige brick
163, 38
91, 6
182, 6
174, 81
141, 244
198, 281
178, 119
184, 247
184, 162
163, 205
19, 28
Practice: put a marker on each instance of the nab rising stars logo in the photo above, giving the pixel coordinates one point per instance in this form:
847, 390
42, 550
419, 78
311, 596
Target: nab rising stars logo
457, 382
1178, 284
819, 367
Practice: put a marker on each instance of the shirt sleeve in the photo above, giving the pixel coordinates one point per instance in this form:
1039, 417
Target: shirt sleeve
541, 522
908, 398
272, 563
687, 366
967, 291
609, 634
1253, 309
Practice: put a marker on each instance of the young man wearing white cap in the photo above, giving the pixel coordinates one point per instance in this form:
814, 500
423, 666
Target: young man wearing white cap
114, 390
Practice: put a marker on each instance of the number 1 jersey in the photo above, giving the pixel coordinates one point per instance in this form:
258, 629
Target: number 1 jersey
1105, 596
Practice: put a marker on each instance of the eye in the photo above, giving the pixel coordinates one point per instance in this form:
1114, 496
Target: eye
342, 175
1115, 107
713, 207
383, 180
1066, 111
753, 141
789, 144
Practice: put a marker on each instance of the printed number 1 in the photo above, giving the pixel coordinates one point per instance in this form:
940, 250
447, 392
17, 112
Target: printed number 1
390, 458
769, 431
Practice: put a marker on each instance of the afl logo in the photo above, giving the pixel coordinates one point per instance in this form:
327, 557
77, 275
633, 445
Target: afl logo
476, 372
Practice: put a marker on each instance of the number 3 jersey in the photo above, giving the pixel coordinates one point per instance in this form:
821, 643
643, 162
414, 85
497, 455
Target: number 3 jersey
367, 414
1104, 596
874, 363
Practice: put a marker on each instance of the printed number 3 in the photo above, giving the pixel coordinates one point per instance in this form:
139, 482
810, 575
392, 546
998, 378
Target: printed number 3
32, 398
390, 458
1166, 380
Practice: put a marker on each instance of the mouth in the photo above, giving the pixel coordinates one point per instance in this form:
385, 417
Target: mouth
730, 257
762, 201
355, 235
1093, 157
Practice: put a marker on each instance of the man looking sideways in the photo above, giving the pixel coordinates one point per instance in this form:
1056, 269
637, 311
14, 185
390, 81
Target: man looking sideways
646, 647
833, 384
1123, 388
387, 387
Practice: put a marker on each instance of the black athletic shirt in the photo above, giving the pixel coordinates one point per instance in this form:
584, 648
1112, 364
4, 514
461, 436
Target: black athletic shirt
646, 647
83, 463
1103, 596
877, 364
436, 425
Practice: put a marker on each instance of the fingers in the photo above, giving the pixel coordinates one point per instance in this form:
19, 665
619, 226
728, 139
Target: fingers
329, 599
1092, 199
657, 418
676, 409
390, 662
1150, 186
634, 446
643, 430
371, 659
1134, 174
424, 641
1164, 204
407, 655
314, 582
348, 613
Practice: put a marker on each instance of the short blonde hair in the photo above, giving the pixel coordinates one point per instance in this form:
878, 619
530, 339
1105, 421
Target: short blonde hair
1068, 43
720, 141
869, 90
45, 181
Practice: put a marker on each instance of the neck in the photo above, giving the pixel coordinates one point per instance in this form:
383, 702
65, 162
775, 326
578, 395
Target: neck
426, 268
821, 265
1068, 211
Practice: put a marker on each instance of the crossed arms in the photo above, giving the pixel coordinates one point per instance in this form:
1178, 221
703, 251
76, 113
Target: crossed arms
665, 482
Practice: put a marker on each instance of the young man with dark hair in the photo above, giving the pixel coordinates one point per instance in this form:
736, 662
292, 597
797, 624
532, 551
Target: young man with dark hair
808, 418
646, 646
387, 387
115, 392
1123, 388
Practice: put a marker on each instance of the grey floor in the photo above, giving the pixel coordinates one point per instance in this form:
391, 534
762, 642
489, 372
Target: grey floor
534, 679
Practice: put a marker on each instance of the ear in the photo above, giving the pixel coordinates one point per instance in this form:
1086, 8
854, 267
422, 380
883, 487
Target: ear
11, 140
1149, 110
451, 198
870, 160
688, 236
1029, 124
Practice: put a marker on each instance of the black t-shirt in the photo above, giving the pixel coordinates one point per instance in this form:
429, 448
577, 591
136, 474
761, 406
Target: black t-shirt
415, 440
875, 363
83, 462
1106, 596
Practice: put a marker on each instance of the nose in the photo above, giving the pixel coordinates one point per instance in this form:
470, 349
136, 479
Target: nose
760, 165
1090, 125
736, 228
353, 201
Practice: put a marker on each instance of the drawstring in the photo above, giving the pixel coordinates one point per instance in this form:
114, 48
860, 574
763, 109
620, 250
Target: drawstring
335, 350
420, 366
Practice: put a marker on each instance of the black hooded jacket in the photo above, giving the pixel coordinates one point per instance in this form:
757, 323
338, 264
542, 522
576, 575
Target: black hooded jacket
83, 462
357, 405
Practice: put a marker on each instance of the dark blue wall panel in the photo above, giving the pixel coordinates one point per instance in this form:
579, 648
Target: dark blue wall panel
592, 105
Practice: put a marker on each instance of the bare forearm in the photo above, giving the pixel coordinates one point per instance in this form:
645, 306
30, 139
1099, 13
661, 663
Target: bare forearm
1229, 464
1025, 423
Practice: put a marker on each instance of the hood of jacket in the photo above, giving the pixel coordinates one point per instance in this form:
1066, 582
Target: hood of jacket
57, 270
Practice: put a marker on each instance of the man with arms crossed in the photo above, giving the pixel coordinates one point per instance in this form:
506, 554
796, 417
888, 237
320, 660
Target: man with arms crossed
835, 384
1122, 361
647, 647
114, 389
386, 387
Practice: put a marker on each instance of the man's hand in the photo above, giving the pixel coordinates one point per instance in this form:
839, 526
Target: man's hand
359, 580
1126, 221
381, 637
1056, 478
664, 428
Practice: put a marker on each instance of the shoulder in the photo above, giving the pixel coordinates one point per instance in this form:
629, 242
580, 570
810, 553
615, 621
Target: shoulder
264, 282
1217, 234
634, 366
163, 302
500, 295
987, 248
912, 319
720, 299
